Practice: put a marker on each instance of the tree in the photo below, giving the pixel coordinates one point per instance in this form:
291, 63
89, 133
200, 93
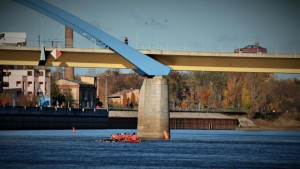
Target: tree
200, 83
233, 90
178, 88
183, 104
286, 96
23, 100
125, 100
68, 97
254, 93
204, 95
56, 94
132, 99
5, 98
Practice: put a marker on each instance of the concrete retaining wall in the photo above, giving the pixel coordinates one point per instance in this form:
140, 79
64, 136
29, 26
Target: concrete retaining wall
52, 118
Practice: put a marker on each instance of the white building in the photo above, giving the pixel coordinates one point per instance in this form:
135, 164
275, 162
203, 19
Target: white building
29, 82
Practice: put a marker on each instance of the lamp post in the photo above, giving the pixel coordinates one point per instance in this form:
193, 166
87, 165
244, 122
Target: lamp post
106, 100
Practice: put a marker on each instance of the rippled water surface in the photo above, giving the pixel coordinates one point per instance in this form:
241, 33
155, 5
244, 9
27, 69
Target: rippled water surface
186, 149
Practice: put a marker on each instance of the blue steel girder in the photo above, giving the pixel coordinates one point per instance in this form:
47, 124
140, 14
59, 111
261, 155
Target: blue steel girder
146, 66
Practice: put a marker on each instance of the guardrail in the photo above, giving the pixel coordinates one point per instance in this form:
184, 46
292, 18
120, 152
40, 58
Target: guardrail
178, 46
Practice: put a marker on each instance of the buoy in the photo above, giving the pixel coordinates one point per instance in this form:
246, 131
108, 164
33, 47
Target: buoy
73, 130
166, 135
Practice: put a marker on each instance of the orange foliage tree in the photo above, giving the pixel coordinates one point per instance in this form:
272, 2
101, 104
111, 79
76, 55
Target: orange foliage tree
233, 90
204, 95
124, 101
5, 98
183, 104
132, 99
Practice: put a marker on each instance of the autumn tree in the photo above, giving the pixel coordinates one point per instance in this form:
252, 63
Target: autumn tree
178, 88
23, 100
183, 104
204, 96
233, 90
117, 82
132, 99
5, 98
203, 83
125, 100
286, 96
254, 93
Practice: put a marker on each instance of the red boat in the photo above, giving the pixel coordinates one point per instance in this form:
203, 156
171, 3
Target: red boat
121, 141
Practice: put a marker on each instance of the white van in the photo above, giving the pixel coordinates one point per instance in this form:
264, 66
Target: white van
13, 38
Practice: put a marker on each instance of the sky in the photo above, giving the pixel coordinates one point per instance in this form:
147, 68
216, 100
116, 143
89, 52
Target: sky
195, 25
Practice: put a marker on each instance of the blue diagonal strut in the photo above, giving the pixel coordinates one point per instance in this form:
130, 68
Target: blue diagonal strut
146, 66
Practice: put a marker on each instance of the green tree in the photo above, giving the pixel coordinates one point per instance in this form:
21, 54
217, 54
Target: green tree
68, 97
56, 94
178, 88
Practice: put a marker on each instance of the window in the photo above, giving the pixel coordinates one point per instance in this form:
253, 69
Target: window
18, 83
6, 73
41, 73
48, 73
29, 73
29, 83
2, 35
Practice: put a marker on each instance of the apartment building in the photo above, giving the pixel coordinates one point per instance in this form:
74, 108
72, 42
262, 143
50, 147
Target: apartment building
29, 82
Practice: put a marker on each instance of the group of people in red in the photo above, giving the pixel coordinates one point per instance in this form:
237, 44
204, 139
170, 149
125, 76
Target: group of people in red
125, 137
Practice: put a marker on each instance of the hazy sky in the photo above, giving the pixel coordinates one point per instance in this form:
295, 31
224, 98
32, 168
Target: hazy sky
209, 25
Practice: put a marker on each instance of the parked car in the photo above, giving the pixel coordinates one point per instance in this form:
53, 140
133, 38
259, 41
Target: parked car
251, 49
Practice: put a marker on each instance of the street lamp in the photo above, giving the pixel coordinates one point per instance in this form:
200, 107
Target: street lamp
106, 100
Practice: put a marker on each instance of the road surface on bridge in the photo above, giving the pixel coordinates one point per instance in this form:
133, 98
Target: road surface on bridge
177, 60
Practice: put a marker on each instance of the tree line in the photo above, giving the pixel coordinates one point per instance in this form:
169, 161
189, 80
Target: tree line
252, 92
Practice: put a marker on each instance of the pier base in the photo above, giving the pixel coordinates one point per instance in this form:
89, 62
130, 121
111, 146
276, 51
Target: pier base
153, 112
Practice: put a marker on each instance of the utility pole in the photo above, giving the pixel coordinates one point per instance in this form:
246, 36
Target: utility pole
1, 79
106, 99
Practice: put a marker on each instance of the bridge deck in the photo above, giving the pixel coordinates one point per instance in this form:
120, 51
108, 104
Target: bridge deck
177, 60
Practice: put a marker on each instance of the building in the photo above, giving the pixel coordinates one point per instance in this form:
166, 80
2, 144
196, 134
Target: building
117, 99
29, 82
84, 94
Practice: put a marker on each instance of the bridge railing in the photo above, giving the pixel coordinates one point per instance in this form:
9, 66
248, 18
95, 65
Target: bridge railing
186, 106
174, 46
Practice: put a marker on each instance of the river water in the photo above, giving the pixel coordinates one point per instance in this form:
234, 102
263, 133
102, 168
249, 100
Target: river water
186, 149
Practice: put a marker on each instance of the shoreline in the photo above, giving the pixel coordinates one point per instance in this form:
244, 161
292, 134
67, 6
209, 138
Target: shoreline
264, 128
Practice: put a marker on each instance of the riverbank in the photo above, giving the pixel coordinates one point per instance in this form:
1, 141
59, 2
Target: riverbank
287, 121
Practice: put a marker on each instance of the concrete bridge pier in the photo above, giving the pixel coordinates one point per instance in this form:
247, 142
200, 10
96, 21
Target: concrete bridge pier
153, 112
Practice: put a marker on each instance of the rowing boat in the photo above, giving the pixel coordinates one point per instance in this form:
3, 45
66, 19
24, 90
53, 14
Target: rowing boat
121, 141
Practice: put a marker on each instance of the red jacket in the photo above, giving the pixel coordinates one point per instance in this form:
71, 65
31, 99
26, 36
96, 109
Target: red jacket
134, 137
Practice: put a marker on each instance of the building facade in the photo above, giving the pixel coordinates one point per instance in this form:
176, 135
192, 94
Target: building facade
84, 94
27, 82
118, 99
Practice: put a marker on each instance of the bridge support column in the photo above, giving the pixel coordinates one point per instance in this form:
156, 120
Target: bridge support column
153, 112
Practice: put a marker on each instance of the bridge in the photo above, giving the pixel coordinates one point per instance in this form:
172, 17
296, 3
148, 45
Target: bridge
177, 60
153, 113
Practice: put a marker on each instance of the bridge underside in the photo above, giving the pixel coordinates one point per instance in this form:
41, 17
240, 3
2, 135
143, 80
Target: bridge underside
189, 61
